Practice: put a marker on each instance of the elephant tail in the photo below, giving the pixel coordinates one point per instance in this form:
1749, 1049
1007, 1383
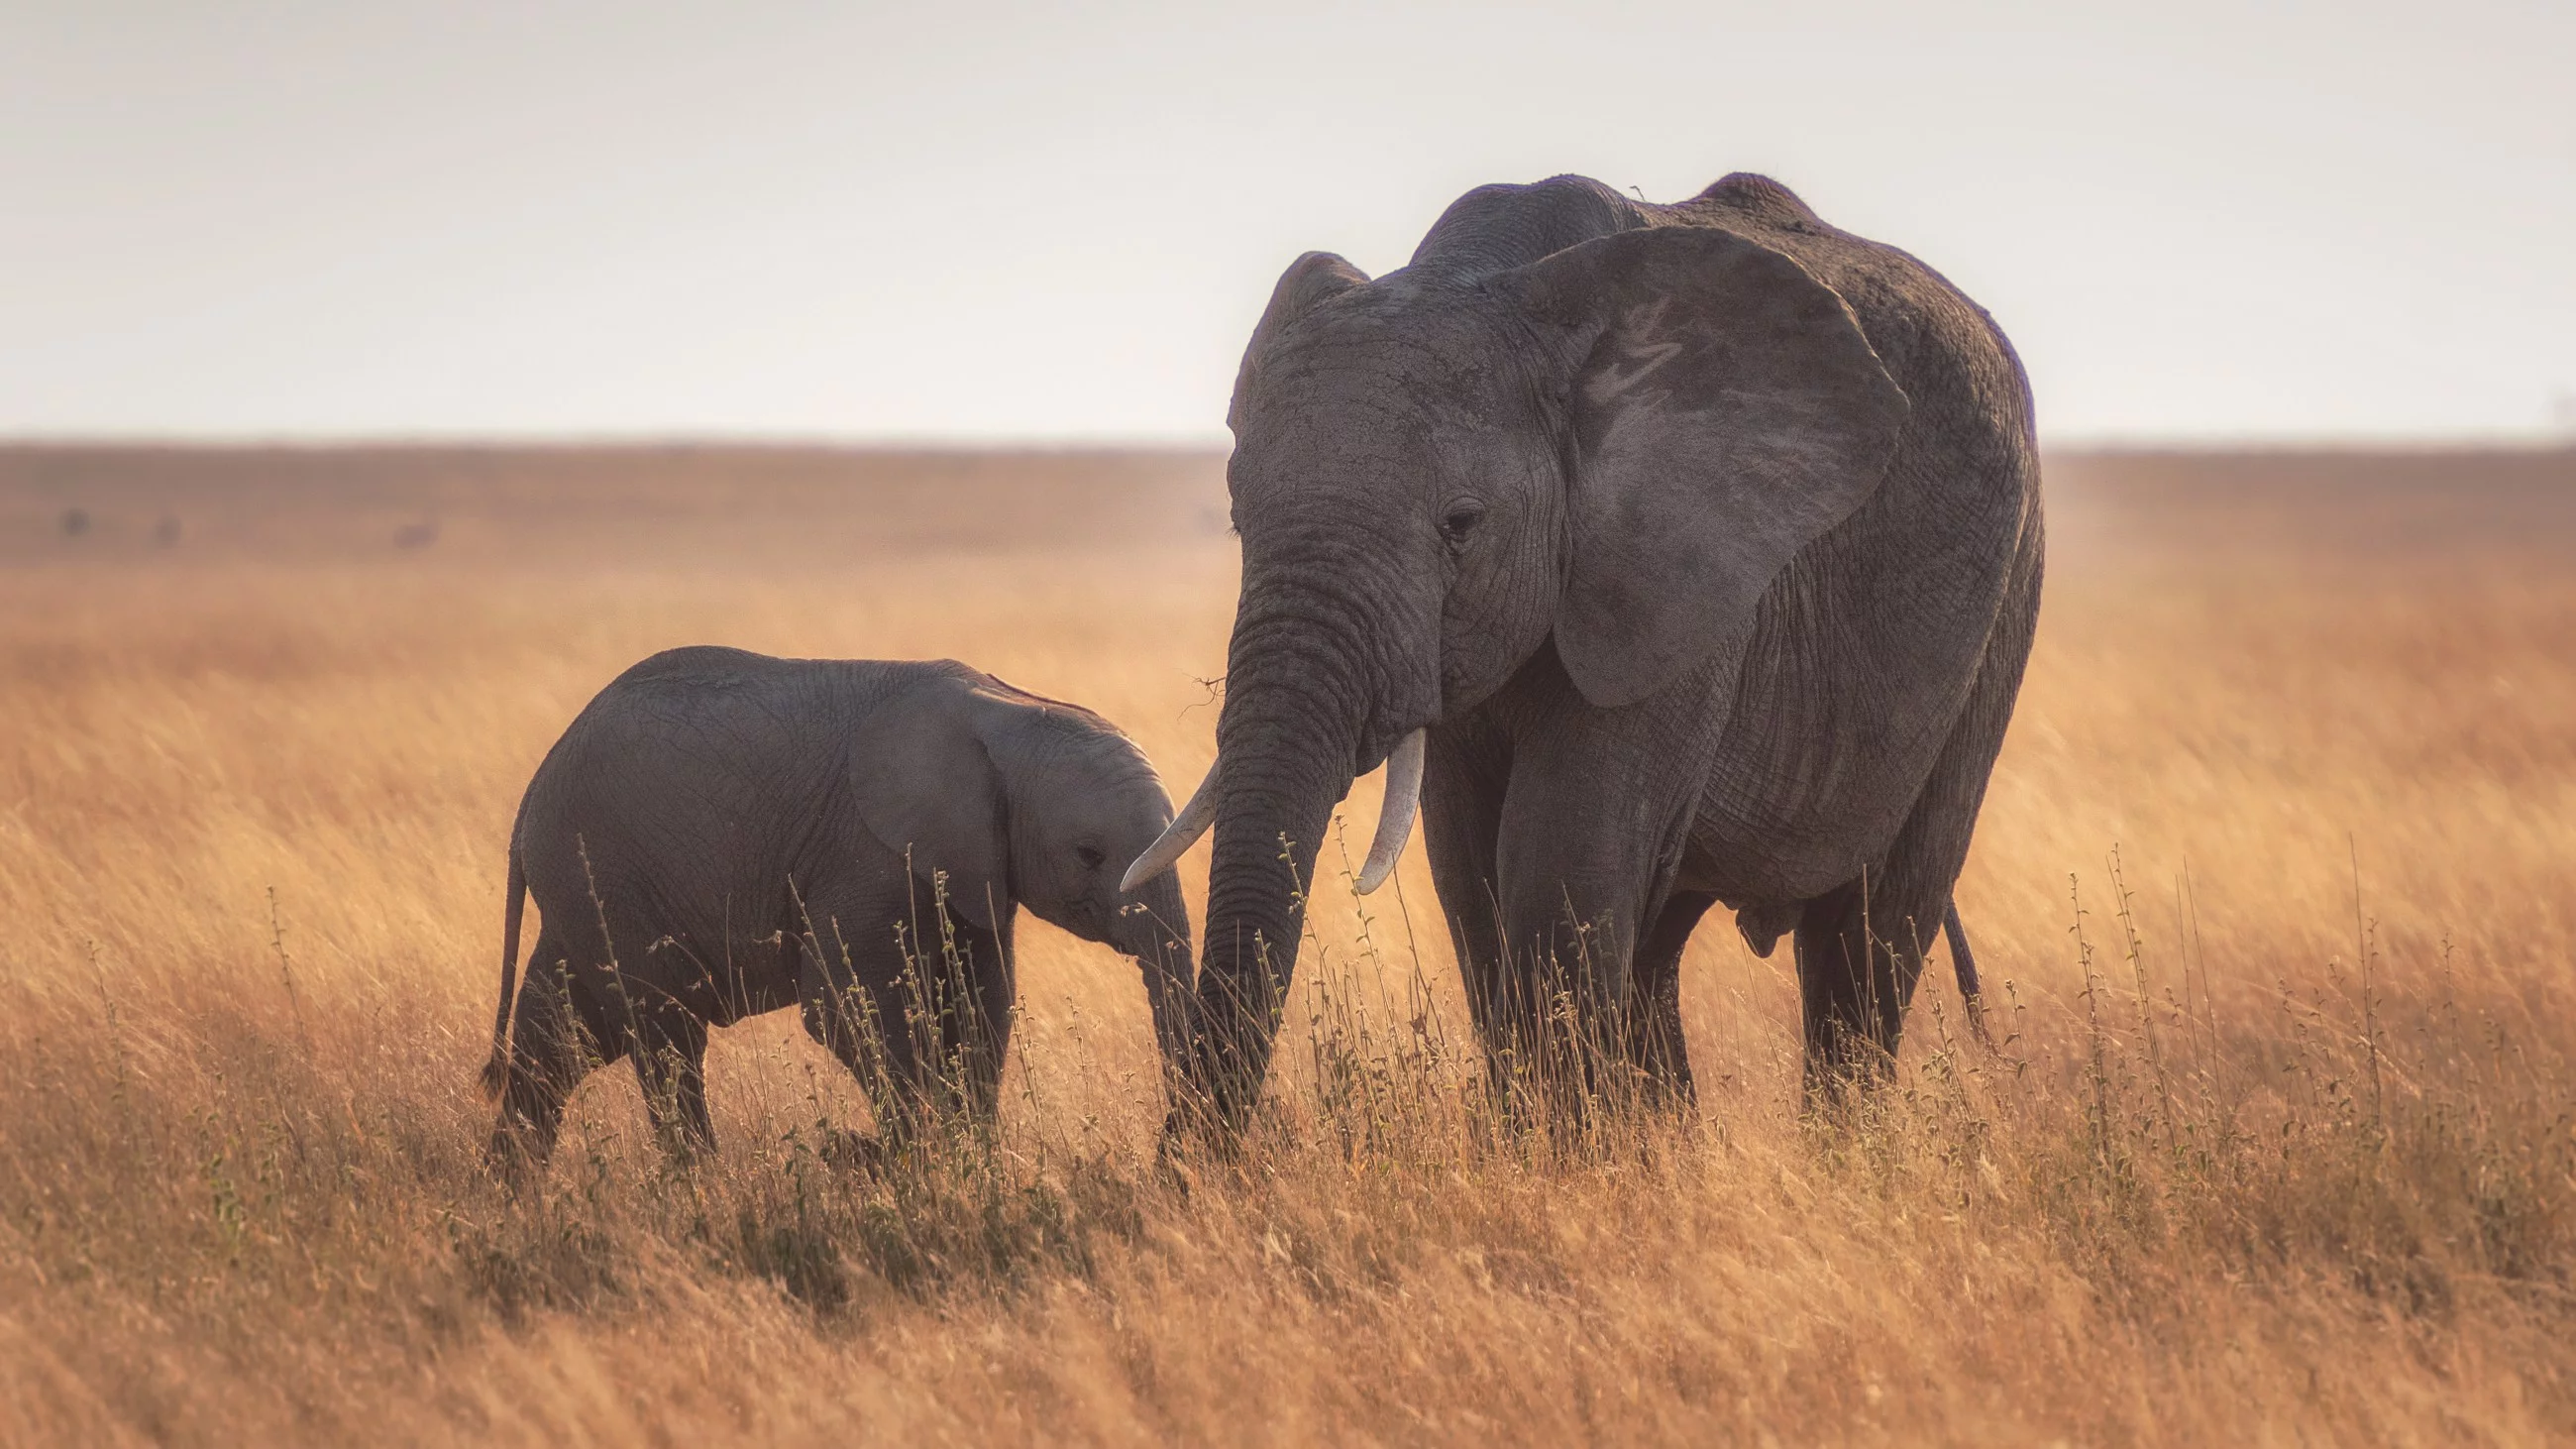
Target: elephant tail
496, 1072
1964, 962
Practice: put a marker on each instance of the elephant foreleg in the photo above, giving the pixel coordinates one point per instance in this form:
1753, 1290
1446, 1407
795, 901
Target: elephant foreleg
1579, 892
922, 1026
1591, 833
1462, 804
671, 1067
975, 1007
850, 991
1654, 1019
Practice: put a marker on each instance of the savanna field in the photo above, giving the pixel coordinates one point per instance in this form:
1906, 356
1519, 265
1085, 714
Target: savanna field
2274, 895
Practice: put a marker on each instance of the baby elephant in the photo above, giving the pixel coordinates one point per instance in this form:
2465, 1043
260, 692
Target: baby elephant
721, 833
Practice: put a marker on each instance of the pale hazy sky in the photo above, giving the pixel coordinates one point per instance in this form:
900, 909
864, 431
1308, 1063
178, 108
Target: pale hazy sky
1032, 221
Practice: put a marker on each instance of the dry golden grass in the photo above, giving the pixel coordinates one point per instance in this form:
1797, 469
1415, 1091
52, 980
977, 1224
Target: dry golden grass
2263, 1161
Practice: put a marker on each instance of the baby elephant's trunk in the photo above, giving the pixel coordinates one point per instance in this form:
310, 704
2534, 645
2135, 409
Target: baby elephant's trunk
1154, 927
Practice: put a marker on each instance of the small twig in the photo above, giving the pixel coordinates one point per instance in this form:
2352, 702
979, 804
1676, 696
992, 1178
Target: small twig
286, 971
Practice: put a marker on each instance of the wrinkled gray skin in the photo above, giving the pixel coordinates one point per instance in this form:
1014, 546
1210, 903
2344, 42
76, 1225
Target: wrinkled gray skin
746, 823
1706, 541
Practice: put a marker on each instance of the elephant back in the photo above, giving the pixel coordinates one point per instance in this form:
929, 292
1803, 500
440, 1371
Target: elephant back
1495, 228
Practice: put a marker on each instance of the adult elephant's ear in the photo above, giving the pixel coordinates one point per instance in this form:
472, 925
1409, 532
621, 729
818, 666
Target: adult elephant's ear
924, 784
1724, 411
1309, 281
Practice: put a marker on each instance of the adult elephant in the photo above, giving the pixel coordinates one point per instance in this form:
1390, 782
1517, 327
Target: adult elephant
1677, 555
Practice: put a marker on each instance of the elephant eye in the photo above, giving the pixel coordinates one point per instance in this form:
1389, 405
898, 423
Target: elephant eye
1090, 855
1461, 519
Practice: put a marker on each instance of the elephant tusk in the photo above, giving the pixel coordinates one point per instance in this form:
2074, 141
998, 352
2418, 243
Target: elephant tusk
1178, 837
1395, 817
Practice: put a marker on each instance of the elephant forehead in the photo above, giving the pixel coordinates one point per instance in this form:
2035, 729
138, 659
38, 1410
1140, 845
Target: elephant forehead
1437, 340
1099, 766
1396, 406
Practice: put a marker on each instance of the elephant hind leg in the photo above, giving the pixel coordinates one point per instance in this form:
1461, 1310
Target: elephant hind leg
560, 1033
1855, 989
1859, 956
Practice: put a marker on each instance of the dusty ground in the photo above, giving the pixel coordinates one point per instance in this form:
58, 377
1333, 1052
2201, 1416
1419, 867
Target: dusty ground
2279, 1149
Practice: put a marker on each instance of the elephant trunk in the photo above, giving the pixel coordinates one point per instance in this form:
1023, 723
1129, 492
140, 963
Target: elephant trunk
1296, 713
1154, 927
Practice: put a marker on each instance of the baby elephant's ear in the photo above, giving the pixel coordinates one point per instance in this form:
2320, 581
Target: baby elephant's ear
925, 785
1726, 412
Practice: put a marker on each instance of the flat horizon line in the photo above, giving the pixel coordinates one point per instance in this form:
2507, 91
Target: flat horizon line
572, 441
